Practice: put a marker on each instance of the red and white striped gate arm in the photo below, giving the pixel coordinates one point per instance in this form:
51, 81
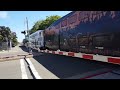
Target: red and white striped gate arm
109, 59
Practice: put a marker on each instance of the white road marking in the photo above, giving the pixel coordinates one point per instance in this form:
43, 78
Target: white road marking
34, 71
23, 70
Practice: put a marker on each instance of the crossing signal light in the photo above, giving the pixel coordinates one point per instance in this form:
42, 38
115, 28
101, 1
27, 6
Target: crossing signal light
23, 32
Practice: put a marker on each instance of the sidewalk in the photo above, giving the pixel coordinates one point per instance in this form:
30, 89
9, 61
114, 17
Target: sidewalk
14, 49
13, 52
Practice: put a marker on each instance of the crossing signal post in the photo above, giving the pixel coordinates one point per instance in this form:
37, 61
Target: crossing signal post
27, 34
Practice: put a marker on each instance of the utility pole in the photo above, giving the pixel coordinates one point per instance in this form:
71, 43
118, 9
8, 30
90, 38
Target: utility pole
28, 36
27, 25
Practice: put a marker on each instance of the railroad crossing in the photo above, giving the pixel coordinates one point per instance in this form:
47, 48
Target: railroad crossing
19, 64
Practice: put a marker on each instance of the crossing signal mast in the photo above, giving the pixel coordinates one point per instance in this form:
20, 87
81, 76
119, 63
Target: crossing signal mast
26, 33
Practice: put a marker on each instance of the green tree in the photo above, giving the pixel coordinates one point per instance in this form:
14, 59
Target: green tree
14, 39
6, 35
1, 38
36, 26
42, 24
5, 32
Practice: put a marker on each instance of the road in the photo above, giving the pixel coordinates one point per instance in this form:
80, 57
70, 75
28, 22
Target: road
12, 70
19, 69
50, 66
74, 68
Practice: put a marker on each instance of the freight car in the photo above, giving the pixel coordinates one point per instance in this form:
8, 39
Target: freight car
90, 32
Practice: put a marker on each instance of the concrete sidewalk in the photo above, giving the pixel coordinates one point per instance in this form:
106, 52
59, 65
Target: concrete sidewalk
17, 53
13, 52
14, 49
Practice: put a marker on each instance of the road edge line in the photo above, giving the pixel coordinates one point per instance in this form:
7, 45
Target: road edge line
23, 70
34, 71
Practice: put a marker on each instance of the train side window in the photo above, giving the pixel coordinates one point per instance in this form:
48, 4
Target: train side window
101, 40
40, 33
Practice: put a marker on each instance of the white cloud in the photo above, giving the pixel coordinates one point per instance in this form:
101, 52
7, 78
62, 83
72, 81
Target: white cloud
3, 14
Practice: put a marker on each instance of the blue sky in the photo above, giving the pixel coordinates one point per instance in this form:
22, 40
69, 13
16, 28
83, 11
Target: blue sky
16, 19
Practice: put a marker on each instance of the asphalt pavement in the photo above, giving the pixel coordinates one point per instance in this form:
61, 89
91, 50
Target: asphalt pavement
65, 67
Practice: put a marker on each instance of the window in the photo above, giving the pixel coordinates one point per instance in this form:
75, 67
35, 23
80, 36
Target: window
40, 33
101, 40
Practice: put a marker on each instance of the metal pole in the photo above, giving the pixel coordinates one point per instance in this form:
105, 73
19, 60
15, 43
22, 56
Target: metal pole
28, 35
27, 25
7, 44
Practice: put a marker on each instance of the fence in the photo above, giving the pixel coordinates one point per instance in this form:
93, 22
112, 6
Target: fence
3, 46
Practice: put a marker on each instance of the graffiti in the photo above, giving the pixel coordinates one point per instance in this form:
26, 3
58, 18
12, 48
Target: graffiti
64, 23
72, 19
112, 14
57, 26
92, 15
88, 32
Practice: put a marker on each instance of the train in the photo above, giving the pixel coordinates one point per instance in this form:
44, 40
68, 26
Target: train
37, 39
90, 32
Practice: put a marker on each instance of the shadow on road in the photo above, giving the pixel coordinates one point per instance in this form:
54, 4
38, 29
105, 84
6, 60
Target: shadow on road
24, 48
67, 67
34, 52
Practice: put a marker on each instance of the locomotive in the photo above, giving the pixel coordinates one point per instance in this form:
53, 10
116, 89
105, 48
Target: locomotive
90, 32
